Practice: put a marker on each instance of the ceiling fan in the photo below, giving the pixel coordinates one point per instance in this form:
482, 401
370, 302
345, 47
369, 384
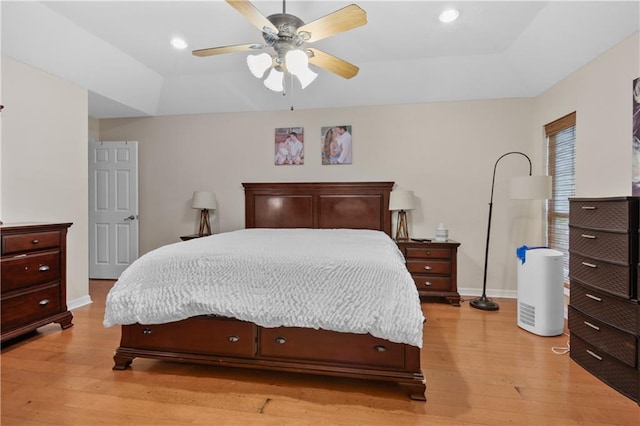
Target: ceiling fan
287, 35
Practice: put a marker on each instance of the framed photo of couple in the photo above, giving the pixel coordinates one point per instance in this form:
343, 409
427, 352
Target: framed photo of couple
337, 145
289, 146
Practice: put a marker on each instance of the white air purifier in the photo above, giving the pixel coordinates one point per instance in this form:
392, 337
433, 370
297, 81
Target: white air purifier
541, 292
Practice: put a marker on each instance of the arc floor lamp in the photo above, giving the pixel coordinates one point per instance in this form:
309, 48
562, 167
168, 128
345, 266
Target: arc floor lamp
524, 188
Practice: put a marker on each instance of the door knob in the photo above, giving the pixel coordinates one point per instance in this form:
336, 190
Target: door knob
132, 217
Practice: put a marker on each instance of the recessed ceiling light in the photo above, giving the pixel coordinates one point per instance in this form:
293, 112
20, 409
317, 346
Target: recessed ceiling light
449, 15
178, 43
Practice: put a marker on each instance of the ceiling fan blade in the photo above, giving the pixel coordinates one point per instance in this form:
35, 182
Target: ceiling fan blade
227, 49
341, 20
333, 64
254, 16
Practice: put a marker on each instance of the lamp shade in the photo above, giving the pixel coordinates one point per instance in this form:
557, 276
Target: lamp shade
401, 200
204, 200
259, 64
275, 80
530, 187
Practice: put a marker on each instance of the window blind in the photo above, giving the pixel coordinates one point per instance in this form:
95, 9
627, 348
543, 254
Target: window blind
561, 137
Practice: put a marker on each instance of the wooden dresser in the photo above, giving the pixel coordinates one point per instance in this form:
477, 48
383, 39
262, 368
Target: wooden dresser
603, 309
433, 266
33, 277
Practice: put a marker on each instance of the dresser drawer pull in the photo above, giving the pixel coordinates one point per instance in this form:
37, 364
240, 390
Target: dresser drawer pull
595, 327
590, 265
428, 283
588, 207
591, 296
428, 268
35, 242
43, 268
234, 339
281, 340
43, 302
380, 348
428, 253
591, 237
147, 331
595, 355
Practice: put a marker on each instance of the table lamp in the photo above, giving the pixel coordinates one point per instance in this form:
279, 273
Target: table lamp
400, 201
204, 201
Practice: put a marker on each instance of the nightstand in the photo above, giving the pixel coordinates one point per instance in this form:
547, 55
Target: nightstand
433, 266
191, 237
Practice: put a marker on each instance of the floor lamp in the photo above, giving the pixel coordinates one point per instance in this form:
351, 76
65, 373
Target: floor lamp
522, 187
204, 201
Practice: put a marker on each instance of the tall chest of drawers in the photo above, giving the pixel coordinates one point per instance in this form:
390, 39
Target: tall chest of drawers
603, 306
33, 278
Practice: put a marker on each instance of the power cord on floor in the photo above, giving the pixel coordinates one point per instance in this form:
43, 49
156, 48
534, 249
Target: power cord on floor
559, 350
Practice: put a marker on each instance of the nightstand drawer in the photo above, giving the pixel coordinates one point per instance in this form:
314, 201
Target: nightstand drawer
431, 283
428, 253
32, 241
428, 266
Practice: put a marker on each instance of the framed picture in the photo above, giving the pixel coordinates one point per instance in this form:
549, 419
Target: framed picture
289, 146
337, 146
635, 182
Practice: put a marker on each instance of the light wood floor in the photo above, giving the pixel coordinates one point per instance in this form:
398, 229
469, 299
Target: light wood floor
481, 369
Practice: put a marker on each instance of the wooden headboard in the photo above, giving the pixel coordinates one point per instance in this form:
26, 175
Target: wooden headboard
356, 205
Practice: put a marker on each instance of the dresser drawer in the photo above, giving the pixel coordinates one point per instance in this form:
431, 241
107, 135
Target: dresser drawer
202, 334
431, 283
610, 246
29, 270
616, 374
613, 278
328, 346
617, 343
611, 214
609, 309
30, 307
33, 241
429, 266
428, 253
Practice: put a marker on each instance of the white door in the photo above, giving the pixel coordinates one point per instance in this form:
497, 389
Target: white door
113, 207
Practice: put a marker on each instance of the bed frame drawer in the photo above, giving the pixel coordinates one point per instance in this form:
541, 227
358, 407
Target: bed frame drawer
202, 334
321, 345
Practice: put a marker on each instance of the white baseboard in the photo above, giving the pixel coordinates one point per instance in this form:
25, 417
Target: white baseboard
474, 292
79, 302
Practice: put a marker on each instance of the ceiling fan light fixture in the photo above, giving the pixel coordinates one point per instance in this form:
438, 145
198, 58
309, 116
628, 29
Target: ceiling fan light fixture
297, 62
259, 64
275, 80
178, 43
306, 78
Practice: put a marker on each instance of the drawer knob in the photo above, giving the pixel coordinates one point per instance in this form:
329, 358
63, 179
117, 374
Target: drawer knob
595, 355
428, 268
43, 268
591, 237
234, 339
428, 253
380, 348
592, 297
590, 265
281, 340
44, 302
588, 324
147, 331
428, 283
35, 241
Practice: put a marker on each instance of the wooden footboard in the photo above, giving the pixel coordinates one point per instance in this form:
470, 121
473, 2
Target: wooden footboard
236, 343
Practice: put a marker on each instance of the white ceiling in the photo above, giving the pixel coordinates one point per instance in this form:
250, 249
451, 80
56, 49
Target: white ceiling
120, 51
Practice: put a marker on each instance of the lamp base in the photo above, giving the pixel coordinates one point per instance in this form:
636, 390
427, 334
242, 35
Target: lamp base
484, 304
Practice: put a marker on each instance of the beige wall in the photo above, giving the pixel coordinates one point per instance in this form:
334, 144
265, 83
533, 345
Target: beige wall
44, 160
600, 93
444, 152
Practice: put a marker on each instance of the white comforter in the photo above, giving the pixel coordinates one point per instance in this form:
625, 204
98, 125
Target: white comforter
336, 279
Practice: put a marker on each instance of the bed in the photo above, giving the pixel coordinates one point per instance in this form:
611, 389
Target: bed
237, 339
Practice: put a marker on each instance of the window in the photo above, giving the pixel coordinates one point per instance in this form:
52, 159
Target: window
561, 138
